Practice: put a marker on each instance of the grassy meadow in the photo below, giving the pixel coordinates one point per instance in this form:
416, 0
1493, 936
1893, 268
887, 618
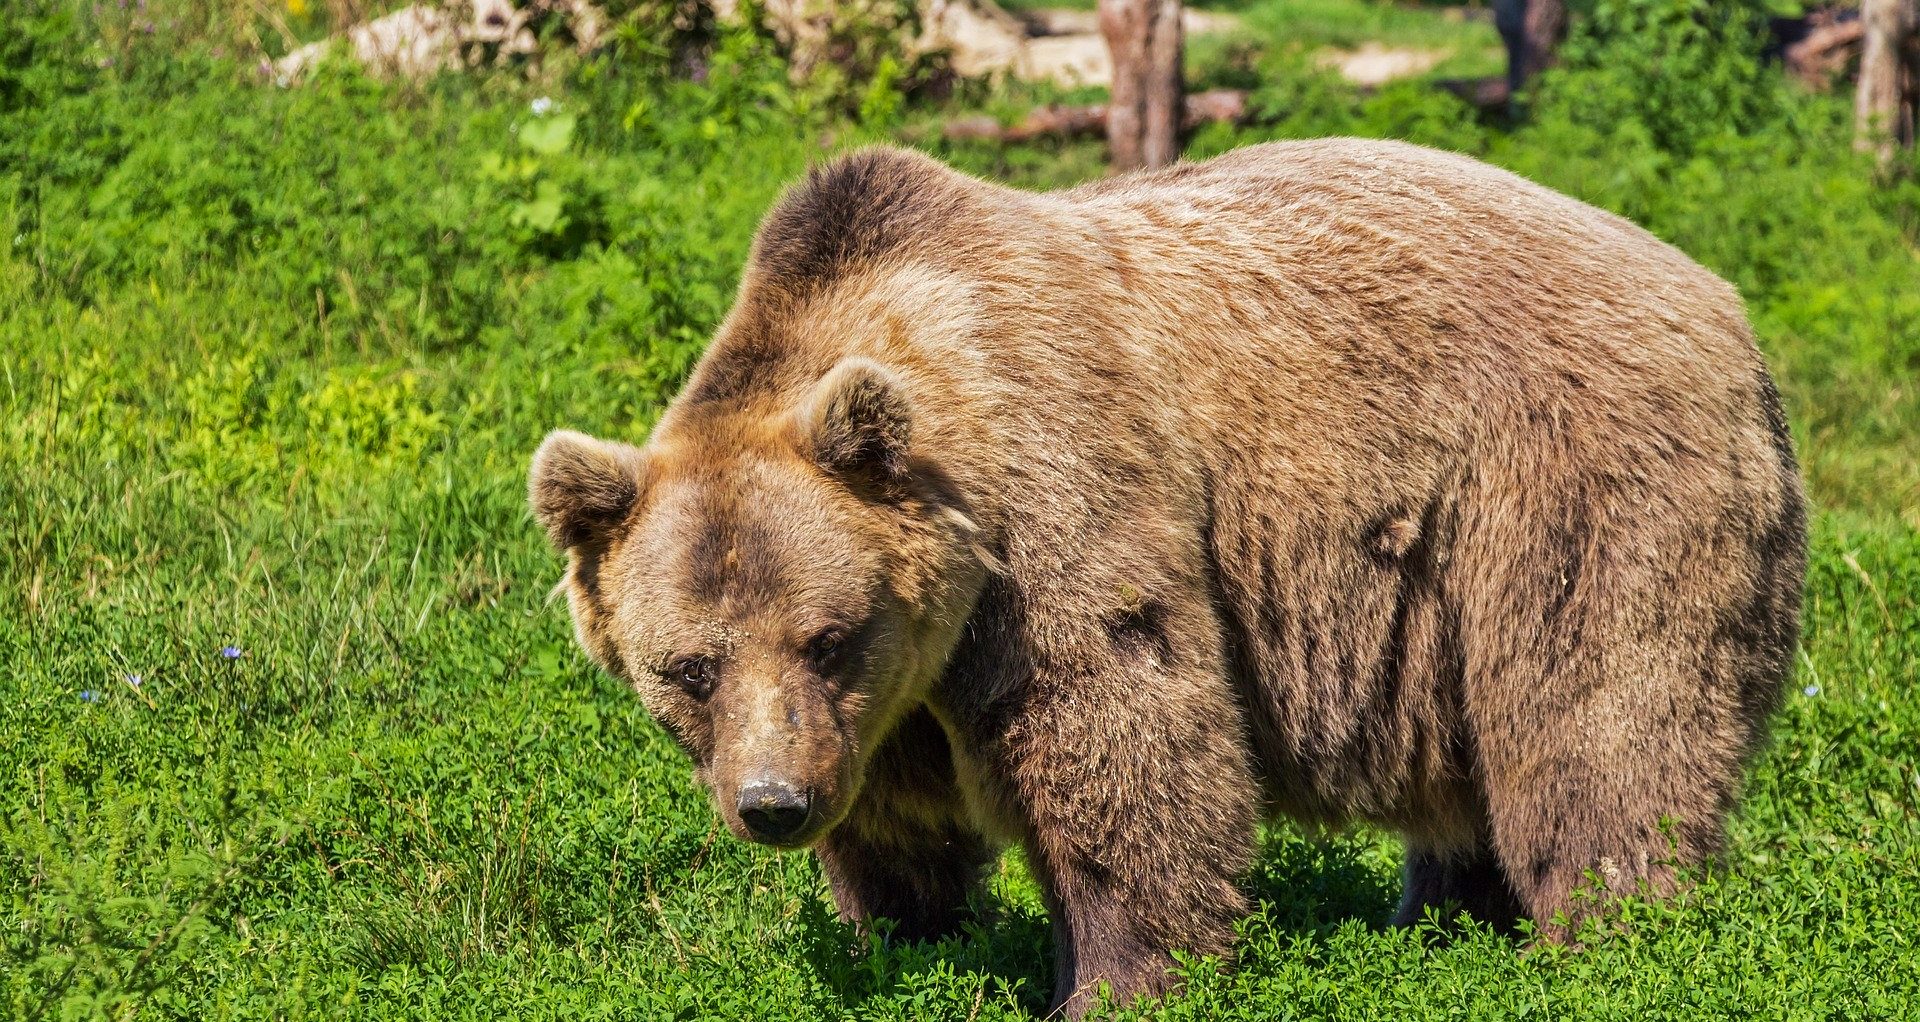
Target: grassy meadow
290, 727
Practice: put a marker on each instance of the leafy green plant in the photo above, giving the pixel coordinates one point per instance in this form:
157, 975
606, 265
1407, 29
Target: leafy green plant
112, 906
554, 204
1680, 70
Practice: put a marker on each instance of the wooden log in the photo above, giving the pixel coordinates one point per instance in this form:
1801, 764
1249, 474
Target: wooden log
1043, 122
1215, 106
1819, 57
1480, 93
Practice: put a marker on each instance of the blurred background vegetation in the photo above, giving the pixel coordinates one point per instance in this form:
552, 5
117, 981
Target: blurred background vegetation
289, 729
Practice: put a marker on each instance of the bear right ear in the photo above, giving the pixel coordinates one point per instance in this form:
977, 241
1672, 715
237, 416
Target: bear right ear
859, 420
581, 487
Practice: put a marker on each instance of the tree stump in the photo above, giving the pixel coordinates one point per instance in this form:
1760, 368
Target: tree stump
1884, 107
1546, 29
1532, 31
1144, 115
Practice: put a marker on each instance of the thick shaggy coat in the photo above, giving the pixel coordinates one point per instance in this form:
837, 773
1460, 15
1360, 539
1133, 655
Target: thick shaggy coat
1343, 480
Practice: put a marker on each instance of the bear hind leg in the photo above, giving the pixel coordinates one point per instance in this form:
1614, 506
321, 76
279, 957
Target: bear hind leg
1573, 824
1453, 881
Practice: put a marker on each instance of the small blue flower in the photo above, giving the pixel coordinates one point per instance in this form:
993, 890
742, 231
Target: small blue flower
229, 652
541, 106
1810, 691
134, 680
89, 696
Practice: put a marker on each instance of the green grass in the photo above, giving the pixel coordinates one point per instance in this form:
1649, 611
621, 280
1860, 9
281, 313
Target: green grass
1350, 23
272, 362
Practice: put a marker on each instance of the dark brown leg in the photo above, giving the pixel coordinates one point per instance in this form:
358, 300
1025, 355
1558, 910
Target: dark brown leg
903, 854
1469, 881
1138, 829
920, 881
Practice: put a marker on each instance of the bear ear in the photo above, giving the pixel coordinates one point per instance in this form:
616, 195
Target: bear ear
581, 487
859, 421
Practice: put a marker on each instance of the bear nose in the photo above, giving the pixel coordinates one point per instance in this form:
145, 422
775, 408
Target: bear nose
772, 810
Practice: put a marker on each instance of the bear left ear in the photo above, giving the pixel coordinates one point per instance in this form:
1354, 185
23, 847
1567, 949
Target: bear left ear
859, 420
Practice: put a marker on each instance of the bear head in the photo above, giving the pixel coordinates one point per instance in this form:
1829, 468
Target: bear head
781, 581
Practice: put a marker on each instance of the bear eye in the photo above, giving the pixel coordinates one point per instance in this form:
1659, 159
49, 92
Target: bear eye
694, 674
824, 650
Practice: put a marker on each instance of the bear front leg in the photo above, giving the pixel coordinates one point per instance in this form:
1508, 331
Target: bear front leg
1133, 788
918, 877
903, 853
1139, 834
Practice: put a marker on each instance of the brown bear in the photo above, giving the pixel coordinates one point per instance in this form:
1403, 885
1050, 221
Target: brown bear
1340, 480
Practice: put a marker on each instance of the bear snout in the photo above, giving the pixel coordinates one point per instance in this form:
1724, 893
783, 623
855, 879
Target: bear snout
774, 810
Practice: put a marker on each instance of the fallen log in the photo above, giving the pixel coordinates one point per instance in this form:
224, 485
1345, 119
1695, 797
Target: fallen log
1824, 53
1061, 121
1479, 93
1228, 106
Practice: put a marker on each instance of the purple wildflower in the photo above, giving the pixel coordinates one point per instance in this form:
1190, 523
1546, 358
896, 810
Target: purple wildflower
89, 696
134, 680
229, 652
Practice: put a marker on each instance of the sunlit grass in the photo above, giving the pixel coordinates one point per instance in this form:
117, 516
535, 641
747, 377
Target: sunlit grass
290, 728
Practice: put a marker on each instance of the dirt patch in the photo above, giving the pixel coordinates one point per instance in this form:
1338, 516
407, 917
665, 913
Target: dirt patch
1374, 64
1065, 46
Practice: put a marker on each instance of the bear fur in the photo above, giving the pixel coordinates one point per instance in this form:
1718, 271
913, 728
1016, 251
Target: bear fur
1336, 480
